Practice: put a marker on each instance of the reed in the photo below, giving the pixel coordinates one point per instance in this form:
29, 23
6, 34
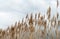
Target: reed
22, 29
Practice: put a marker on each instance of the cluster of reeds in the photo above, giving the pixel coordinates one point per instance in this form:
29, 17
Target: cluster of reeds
27, 28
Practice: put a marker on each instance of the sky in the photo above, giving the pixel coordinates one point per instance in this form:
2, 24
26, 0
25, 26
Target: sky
14, 10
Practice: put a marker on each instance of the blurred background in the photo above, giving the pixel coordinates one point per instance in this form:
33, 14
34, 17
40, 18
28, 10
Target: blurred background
14, 10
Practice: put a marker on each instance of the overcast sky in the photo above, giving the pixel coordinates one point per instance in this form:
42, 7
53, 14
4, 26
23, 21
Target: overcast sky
14, 10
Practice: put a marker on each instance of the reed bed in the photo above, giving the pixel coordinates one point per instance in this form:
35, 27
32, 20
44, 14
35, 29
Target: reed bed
47, 28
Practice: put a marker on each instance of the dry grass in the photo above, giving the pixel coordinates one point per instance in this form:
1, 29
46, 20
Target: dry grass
22, 30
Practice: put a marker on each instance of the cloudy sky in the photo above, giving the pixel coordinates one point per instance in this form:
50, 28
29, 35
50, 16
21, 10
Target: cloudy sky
14, 10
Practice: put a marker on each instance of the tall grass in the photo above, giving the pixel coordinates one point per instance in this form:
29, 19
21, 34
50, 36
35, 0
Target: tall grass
27, 29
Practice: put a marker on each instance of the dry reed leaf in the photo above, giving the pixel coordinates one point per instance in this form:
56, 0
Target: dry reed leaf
38, 15
49, 12
57, 15
26, 16
32, 29
31, 20
15, 24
